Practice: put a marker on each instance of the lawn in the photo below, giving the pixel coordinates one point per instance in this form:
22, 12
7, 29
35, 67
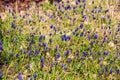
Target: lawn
69, 40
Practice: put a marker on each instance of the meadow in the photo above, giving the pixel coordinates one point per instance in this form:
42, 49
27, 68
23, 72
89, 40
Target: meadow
61, 41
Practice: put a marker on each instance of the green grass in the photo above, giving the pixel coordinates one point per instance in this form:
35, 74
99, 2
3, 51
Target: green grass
78, 69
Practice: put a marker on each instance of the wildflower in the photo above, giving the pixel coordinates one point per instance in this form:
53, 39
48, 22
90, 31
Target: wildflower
50, 40
95, 36
105, 52
106, 68
37, 51
106, 11
118, 28
77, 2
83, 0
111, 61
81, 25
35, 75
63, 65
118, 71
1, 74
76, 53
56, 48
99, 53
68, 60
30, 78
42, 59
13, 25
68, 7
67, 38
99, 60
85, 53
51, 64
81, 34
25, 51
17, 55
57, 56
44, 44
41, 37
111, 70
19, 77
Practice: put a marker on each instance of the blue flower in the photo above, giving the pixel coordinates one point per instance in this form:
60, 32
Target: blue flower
118, 71
99, 53
0, 42
56, 48
106, 68
105, 52
106, 11
83, 0
85, 53
19, 77
1, 74
111, 70
81, 34
111, 61
68, 7
30, 78
41, 37
77, 53
81, 25
35, 75
99, 60
68, 60
44, 44
42, 59
50, 40
95, 36
77, 2
51, 64
118, 28
57, 56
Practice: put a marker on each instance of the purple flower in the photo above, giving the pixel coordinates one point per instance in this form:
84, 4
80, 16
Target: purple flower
41, 37
30, 78
118, 71
50, 40
68, 7
63, 65
99, 53
118, 28
68, 60
1, 74
95, 36
68, 38
77, 53
42, 59
19, 77
17, 55
57, 56
13, 25
105, 52
106, 11
44, 44
77, 2
99, 60
81, 34
106, 68
83, 0
81, 25
111, 70
51, 64
111, 61
85, 53
35, 75
56, 48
